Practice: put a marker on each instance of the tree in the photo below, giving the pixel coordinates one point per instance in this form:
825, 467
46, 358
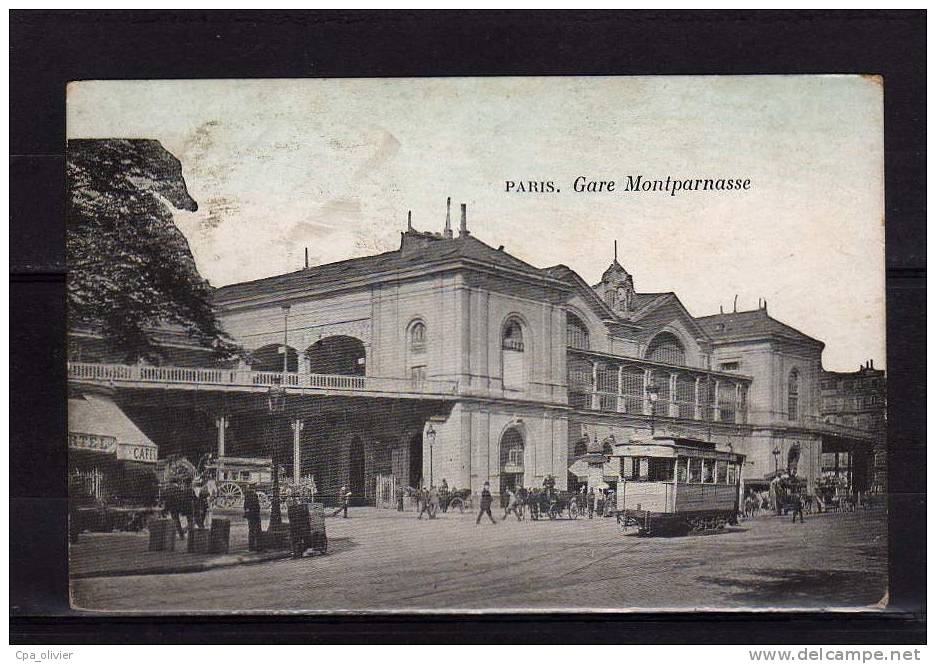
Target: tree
131, 271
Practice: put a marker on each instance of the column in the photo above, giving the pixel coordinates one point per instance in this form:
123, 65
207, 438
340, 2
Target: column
595, 400
716, 416
673, 407
297, 427
698, 408
647, 406
622, 403
222, 422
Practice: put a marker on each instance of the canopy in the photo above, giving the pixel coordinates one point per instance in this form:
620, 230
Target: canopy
97, 424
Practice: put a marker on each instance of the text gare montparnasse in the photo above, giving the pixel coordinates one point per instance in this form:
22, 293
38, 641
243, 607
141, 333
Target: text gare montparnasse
632, 183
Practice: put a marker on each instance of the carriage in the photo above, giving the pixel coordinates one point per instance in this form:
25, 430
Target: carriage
228, 477
677, 486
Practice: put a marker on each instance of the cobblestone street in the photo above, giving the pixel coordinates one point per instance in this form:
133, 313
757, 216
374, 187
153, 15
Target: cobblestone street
385, 561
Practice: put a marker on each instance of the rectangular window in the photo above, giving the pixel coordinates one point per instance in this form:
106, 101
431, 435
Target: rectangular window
681, 469
729, 366
418, 374
732, 473
695, 469
660, 470
627, 467
721, 472
708, 471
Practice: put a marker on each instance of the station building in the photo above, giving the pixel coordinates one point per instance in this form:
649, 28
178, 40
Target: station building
448, 358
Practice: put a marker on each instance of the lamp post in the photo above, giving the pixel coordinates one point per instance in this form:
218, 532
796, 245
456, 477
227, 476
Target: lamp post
653, 393
776, 458
431, 435
277, 404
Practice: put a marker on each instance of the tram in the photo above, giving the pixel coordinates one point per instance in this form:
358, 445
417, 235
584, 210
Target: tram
677, 486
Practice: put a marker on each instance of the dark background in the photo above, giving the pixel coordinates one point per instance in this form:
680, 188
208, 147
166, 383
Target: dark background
48, 49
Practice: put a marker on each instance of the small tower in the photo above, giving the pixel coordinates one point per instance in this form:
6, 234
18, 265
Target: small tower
617, 287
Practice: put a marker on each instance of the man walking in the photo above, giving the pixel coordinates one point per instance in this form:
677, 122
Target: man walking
252, 514
486, 500
591, 502
511, 505
797, 507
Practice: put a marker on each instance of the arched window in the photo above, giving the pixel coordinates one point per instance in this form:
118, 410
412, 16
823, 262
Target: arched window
793, 395
418, 337
610, 297
512, 355
667, 348
576, 332
513, 336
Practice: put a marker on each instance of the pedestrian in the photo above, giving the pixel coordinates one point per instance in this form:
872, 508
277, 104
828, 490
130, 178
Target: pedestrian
444, 495
345, 499
422, 501
511, 505
252, 514
797, 507
600, 502
177, 503
486, 500
433, 502
201, 506
591, 502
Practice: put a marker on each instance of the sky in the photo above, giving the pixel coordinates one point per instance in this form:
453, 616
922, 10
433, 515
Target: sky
334, 165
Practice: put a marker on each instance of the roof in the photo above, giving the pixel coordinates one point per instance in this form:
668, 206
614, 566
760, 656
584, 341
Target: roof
743, 324
416, 249
99, 416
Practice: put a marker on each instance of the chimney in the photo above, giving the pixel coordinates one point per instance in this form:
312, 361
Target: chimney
721, 309
447, 233
871, 362
463, 229
409, 220
736, 303
307, 257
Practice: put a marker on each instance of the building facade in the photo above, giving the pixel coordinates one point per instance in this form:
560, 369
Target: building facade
450, 359
857, 399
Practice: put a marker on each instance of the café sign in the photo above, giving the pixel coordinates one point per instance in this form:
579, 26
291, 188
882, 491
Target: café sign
141, 453
92, 442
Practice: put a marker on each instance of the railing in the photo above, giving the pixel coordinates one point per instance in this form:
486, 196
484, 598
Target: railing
234, 377
636, 405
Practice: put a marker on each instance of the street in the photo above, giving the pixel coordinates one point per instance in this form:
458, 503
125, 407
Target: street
389, 561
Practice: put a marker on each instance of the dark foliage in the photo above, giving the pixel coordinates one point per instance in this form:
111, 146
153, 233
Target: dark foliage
131, 270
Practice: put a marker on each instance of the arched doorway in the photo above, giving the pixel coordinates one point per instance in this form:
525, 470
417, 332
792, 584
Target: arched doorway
270, 358
339, 355
511, 461
356, 470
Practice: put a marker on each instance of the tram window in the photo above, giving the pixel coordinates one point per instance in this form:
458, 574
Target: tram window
681, 469
695, 469
644, 468
660, 470
708, 471
721, 472
732, 474
627, 467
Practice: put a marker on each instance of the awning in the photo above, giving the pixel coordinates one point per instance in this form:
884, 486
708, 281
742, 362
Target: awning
97, 424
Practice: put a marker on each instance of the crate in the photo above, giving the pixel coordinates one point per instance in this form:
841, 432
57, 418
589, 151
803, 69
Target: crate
219, 538
162, 535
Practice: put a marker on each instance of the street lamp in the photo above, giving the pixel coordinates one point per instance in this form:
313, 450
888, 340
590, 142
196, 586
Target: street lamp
653, 393
776, 457
431, 435
277, 404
